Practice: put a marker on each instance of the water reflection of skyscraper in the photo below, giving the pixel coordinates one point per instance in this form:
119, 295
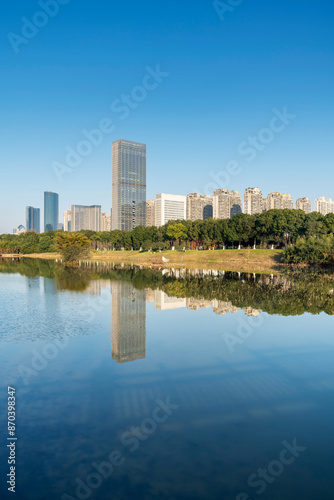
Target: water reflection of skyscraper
128, 322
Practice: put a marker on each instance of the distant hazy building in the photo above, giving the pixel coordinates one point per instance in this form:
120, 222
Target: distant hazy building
128, 185
304, 204
274, 201
169, 207
324, 205
51, 211
226, 204
19, 230
33, 219
67, 220
287, 201
150, 213
128, 322
86, 217
60, 226
253, 201
199, 207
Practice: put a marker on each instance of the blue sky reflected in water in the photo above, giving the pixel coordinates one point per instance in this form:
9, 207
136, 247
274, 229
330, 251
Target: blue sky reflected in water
117, 350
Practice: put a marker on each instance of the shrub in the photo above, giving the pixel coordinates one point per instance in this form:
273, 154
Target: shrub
73, 246
312, 250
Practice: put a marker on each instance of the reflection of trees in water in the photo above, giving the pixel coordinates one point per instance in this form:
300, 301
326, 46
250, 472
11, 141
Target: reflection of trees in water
66, 278
293, 293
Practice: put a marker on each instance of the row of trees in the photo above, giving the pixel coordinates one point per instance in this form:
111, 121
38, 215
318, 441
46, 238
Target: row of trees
274, 227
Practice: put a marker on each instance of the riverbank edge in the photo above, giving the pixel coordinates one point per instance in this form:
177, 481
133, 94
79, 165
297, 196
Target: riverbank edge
260, 261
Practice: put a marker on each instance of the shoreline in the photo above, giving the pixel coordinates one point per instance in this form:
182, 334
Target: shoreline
260, 261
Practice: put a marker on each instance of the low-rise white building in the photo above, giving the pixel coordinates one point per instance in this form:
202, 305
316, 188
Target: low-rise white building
169, 207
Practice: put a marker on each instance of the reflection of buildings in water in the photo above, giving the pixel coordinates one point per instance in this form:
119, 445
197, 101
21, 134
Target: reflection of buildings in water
223, 308
195, 304
150, 295
249, 311
164, 301
95, 287
128, 322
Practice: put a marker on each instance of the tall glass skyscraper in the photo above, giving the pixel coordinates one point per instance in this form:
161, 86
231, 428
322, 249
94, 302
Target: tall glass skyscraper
128, 185
51, 211
33, 219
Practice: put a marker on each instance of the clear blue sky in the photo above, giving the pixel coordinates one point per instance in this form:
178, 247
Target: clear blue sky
225, 79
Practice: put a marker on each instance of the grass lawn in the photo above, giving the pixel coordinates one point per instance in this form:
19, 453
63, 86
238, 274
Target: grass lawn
228, 260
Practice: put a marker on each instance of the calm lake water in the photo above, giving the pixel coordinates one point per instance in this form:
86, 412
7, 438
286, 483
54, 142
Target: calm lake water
167, 385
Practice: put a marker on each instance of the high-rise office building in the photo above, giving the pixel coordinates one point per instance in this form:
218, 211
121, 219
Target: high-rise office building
169, 207
128, 185
226, 204
287, 201
105, 222
33, 219
51, 211
128, 317
86, 217
253, 201
67, 220
304, 204
199, 207
150, 213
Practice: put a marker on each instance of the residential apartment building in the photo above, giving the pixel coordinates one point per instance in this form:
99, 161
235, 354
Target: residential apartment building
169, 207
274, 201
287, 201
67, 220
128, 185
226, 204
253, 201
150, 213
199, 207
304, 204
324, 205
33, 219
105, 222
86, 217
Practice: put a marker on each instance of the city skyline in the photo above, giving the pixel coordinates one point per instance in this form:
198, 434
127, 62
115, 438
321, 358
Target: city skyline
195, 120
223, 204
